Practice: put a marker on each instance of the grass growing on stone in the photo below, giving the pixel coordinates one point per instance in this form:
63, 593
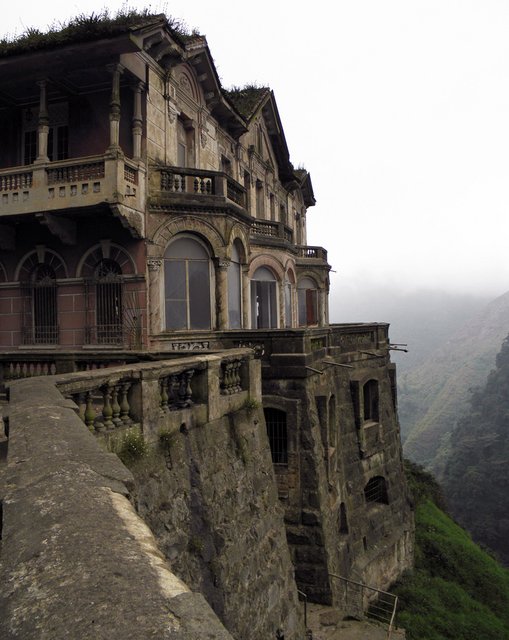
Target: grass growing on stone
130, 446
456, 590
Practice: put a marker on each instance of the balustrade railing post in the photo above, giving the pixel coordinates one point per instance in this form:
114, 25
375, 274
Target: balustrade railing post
124, 404
89, 411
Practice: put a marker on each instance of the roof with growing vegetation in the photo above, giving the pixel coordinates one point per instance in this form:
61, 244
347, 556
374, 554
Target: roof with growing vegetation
86, 28
246, 99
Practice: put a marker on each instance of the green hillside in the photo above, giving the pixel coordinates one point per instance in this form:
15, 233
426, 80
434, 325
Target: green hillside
457, 590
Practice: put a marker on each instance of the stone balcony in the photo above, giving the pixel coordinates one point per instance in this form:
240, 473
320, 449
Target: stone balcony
178, 188
53, 187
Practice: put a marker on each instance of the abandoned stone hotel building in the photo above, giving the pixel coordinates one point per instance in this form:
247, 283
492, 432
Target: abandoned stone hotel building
153, 227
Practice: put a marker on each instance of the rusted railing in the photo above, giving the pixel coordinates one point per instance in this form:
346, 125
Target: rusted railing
361, 599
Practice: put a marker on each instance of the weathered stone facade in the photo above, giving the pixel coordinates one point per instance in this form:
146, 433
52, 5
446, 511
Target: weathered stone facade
147, 214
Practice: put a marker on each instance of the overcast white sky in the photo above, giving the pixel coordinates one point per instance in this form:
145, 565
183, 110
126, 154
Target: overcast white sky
398, 108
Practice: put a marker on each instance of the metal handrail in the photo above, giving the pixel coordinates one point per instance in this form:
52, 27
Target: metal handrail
390, 621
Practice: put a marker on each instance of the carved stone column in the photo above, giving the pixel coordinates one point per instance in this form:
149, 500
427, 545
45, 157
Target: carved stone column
222, 265
116, 71
43, 125
137, 121
246, 297
156, 297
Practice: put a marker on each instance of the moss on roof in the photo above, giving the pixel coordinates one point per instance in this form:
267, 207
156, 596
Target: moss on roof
246, 99
84, 28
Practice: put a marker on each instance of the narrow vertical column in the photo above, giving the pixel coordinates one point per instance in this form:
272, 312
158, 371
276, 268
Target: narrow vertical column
156, 296
43, 124
222, 265
246, 297
115, 70
137, 121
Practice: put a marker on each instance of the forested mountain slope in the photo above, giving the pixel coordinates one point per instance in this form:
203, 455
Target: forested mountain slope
476, 477
433, 395
456, 591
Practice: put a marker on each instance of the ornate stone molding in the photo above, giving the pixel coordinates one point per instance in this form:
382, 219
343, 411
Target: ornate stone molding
190, 346
154, 264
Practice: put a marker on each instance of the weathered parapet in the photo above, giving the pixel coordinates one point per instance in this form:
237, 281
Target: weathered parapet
76, 560
163, 395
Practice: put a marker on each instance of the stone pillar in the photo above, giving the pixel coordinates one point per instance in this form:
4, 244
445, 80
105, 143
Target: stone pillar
154, 288
222, 265
43, 125
116, 71
246, 297
137, 121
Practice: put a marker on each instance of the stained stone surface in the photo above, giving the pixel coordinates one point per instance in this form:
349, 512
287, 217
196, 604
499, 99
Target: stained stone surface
76, 560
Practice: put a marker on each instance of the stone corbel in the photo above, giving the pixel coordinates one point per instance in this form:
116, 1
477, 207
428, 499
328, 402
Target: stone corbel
60, 227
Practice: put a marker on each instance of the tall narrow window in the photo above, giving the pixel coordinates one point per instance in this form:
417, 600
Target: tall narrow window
234, 290
275, 420
370, 393
185, 143
308, 302
109, 302
263, 299
187, 285
260, 200
44, 305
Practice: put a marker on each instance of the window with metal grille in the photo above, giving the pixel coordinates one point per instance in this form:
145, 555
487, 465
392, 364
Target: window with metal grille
109, 302
44, 306
275, 420
376, 490
370, 393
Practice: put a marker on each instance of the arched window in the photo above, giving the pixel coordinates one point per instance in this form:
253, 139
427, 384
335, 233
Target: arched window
109, 302
370, 394
308, 302
187, 285
234, 290
275, 420
44, 329
263, 299
376, 490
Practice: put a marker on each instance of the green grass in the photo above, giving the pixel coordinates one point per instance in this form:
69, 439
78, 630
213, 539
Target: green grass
457, 590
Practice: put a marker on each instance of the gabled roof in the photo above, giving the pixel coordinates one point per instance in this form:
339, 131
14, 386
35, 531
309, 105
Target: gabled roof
246, 99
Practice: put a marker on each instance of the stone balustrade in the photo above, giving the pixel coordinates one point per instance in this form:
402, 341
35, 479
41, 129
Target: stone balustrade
186, 182
311, 253
155, 395
270, 229
65, 184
